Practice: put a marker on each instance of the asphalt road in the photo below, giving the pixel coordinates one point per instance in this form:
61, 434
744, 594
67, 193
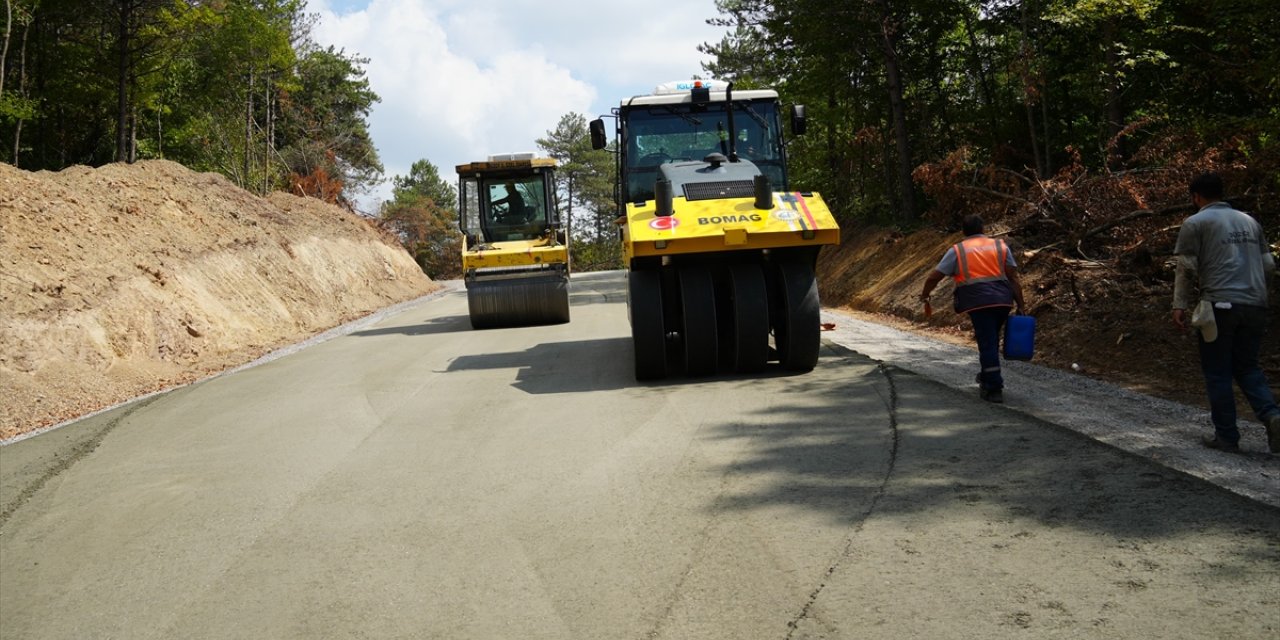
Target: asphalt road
417, 479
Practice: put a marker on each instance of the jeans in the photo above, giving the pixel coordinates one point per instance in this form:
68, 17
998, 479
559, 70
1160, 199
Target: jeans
1234, 356
987, 325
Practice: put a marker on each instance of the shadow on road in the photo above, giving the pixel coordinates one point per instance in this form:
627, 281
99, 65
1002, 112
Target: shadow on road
561, 367
445, 324
587, 365
888, 443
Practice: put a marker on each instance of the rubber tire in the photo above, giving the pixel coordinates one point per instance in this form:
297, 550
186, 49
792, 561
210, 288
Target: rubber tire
796, 322
648, 337
698, 315
749, 318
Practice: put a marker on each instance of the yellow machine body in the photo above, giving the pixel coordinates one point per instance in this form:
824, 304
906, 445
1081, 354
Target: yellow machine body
731, 224
515, 253
515, 259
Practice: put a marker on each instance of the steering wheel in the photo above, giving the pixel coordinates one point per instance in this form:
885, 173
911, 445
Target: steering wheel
654, 158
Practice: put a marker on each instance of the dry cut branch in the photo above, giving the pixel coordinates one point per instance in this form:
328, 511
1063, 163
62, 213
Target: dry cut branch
1143, 213
999, 194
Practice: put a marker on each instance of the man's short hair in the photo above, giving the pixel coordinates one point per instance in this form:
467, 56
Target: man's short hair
972, 225
1208, 186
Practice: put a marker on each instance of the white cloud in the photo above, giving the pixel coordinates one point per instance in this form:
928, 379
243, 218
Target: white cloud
460, 79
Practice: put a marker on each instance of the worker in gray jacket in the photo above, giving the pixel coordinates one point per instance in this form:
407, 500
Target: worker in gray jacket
1224, 250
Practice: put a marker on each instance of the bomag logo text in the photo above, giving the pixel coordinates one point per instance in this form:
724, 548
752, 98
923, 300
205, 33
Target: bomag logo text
754, 217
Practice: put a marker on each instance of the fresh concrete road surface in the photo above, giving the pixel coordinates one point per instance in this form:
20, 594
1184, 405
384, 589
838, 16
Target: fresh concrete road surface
417, 479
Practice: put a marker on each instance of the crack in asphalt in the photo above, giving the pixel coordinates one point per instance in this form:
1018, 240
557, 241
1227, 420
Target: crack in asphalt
704, 537
794, 624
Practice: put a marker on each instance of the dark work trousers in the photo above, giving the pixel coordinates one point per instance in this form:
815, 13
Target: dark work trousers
1234, 356
987, 326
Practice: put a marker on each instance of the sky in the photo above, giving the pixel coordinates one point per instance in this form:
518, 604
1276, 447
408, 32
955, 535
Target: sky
462, 79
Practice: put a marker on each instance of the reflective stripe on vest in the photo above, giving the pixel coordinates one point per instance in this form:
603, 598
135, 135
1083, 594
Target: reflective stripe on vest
980, 260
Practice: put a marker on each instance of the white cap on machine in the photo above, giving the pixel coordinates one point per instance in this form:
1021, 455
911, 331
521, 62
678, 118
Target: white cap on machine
507, 157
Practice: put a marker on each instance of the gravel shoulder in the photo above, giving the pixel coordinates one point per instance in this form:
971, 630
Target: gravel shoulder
1156, 429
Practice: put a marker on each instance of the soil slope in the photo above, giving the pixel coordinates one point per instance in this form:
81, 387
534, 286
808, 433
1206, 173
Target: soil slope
126, 279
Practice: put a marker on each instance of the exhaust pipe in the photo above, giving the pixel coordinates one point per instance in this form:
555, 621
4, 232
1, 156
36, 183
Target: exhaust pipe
764, 192
663, 198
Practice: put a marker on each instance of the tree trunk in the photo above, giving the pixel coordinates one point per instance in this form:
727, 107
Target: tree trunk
944, 116
4, 52
568, 213
1115, 111
22, 90
984, 82
1029, 82
246, 181
888, 41
833, 104
266, 151
1035, 139
122, 78
133, 135
133, 118
1044, 122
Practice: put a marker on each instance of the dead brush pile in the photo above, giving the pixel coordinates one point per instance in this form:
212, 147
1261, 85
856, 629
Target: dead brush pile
1096, 236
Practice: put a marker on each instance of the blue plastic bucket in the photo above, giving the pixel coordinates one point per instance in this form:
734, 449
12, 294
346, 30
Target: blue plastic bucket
1019, 337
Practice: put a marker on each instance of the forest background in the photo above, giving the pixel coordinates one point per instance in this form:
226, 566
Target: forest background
1072, 125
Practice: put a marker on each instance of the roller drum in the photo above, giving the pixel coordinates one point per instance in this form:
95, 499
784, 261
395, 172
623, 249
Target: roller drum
512, 302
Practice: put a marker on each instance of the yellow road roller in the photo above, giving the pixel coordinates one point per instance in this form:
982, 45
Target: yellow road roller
720, 249
515, 257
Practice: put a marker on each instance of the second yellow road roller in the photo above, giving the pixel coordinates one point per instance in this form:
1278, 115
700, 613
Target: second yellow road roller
515, 254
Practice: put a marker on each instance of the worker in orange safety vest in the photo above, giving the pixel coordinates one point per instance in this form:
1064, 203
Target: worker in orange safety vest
987, 287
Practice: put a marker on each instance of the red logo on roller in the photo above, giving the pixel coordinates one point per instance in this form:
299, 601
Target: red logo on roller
665, 223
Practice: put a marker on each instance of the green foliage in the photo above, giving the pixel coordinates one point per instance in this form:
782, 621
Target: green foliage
325, 118
423, 214
584, 193
424, 183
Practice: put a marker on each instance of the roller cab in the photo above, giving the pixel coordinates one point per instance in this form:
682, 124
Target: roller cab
720, 249
515, 260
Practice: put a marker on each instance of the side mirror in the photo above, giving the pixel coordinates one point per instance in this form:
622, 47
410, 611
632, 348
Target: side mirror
798, 123
599, 139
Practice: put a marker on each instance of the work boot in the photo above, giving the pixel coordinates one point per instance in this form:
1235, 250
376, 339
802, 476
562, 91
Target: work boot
992, 395
1273, 433
1221, 445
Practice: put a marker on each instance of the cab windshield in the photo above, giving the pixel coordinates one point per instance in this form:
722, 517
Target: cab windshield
505, 208
658, 134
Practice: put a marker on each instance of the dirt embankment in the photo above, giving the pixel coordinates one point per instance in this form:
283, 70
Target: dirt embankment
121, 280
1116, 327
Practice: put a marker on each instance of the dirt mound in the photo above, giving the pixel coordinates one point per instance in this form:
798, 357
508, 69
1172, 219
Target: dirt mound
1113, 326
118, 281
